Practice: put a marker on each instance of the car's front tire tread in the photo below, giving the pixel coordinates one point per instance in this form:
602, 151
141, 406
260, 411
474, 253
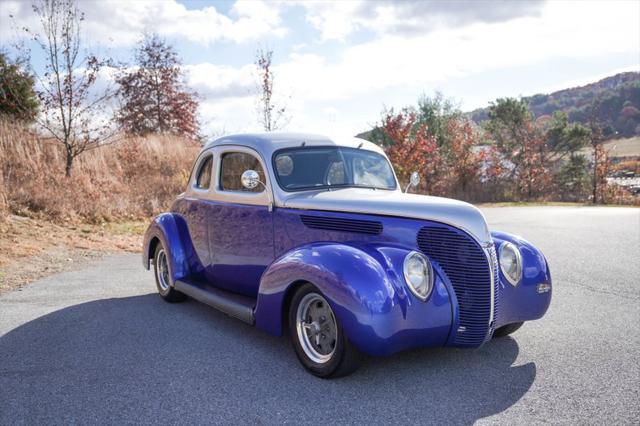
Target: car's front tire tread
346, 359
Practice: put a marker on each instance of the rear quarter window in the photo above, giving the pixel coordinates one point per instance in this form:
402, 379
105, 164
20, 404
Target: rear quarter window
203, 176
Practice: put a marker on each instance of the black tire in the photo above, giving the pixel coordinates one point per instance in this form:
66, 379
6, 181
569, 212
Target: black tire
344, 359
506, 330
165, 285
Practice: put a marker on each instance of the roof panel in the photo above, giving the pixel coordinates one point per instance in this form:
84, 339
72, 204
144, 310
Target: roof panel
268, 143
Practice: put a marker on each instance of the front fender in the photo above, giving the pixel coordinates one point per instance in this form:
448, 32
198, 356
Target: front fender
523, 302
171, 230
365, 287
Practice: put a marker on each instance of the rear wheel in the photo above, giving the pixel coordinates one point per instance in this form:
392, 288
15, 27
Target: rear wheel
317, 337
163, 276
506, 330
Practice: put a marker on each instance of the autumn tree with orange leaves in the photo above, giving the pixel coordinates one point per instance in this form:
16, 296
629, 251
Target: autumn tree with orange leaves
154, 95
445, 154
463, 160
410, 148
511, 157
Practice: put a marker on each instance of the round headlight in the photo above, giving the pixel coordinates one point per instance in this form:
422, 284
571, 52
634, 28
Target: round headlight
418, 274
510, 262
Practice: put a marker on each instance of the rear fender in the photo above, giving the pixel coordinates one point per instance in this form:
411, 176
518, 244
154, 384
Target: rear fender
171, 230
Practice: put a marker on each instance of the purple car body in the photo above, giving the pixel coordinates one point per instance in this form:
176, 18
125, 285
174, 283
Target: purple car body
247, 252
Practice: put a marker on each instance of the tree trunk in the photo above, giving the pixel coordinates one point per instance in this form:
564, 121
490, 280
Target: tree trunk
68, 165
4, 203
595, 175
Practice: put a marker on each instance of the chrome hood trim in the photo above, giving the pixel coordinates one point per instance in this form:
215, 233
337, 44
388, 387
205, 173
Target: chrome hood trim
395, 203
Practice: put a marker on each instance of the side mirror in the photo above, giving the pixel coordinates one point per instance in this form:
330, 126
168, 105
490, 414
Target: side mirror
250, 179
414, 181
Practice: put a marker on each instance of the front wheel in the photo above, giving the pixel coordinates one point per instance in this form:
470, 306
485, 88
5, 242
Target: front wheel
317, 337
163, 276
507, 329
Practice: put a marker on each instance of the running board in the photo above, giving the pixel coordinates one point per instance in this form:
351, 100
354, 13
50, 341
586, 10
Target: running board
232, 304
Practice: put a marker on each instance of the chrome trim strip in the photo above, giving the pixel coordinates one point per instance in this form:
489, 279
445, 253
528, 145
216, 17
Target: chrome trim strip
492, 269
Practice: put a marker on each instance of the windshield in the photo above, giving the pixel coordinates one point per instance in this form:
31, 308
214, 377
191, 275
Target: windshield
299, 169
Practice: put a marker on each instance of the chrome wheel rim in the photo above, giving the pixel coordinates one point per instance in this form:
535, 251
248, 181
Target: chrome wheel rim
316, 327
162, 270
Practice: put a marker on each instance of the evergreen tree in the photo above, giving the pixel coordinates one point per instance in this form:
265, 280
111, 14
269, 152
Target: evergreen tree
18, 99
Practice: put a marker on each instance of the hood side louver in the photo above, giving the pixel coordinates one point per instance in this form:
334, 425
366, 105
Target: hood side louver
342, 225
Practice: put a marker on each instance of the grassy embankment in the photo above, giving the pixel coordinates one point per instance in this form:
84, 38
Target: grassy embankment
49, 222
621, 148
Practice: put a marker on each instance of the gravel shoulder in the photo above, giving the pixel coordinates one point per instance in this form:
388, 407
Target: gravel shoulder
31, 248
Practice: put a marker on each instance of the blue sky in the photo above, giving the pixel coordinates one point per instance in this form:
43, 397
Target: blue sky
338, 64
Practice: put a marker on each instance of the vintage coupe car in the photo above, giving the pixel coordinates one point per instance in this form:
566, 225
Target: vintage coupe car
313, 236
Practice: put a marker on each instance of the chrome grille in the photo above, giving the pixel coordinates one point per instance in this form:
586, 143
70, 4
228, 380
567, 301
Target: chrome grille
466, 265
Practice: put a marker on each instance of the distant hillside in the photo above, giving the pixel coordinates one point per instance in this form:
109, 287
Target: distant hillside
619, 104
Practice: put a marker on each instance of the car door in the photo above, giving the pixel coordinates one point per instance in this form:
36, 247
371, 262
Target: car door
195, 207
241, 225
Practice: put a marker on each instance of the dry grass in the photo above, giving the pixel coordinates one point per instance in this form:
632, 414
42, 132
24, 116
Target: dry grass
50, 223
629, 147
132, 179
619, 148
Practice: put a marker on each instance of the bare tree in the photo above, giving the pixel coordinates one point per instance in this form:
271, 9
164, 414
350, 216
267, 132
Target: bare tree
271, 117
72, 107
598, 149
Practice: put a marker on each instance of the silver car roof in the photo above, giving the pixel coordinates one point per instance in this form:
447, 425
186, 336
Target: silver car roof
268, 143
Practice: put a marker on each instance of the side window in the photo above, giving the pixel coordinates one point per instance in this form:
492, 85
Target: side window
233, 165
203, 178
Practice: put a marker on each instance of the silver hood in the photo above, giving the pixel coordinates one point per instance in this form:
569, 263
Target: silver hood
395, 203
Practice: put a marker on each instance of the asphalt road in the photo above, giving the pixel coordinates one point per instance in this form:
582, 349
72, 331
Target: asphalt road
99, 346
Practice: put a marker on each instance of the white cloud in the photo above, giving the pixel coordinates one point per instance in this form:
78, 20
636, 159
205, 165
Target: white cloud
120, 23
396, 61
221, 81
337, 20
230, 115
415, 63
